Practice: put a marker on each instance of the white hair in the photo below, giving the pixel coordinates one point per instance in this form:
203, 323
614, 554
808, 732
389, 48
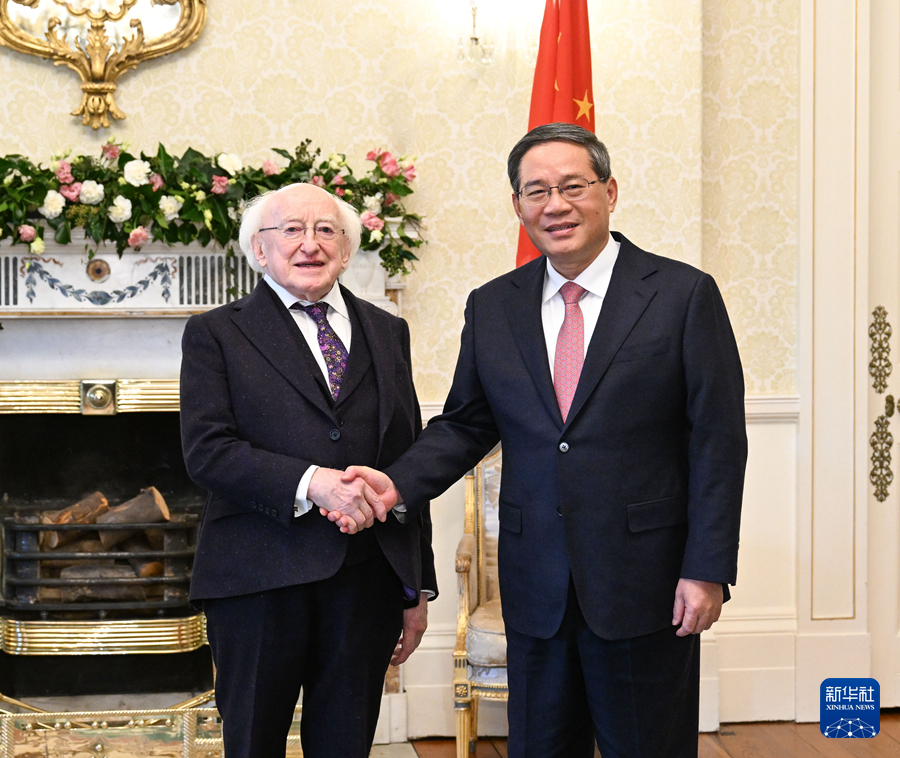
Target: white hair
251, 221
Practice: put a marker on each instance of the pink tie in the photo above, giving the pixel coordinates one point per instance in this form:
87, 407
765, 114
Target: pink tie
569, 348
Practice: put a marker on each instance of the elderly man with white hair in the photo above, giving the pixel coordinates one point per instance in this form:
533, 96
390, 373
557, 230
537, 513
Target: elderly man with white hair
280, 391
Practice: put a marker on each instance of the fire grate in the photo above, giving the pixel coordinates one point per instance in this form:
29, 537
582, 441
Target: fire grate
32, 582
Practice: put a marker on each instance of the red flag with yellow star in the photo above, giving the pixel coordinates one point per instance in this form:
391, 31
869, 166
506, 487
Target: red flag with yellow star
562, 88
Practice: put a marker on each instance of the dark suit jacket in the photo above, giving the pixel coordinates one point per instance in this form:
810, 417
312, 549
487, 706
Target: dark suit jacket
642, 484
254, 418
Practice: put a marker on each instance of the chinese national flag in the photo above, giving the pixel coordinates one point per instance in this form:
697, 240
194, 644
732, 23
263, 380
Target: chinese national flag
562, 80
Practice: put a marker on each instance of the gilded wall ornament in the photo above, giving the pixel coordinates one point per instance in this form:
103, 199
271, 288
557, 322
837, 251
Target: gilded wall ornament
881, 441
880, 334
94, 40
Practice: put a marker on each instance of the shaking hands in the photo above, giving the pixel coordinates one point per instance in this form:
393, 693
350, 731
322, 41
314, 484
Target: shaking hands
354, 498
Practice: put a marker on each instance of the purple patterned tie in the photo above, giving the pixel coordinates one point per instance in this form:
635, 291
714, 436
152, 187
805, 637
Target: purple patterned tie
332, 348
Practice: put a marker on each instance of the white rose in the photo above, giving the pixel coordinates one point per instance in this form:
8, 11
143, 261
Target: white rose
91, 193
137, 173
376, 235
373, 204
170, 206
120, 210
235, 213
230, 163
53, 205
37, 247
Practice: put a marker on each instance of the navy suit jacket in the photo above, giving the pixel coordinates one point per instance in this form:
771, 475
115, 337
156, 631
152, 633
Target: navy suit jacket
254, 418
640, 486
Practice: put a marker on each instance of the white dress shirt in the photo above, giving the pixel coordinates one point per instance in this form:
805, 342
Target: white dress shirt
595, 279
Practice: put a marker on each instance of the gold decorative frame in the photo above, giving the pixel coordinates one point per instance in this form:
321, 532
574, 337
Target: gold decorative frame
99, 63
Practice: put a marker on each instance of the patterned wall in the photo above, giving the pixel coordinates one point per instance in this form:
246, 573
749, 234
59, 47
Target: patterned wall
696, 100
750, 203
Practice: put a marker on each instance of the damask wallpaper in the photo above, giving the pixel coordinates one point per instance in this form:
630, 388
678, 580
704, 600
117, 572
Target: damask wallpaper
696, 100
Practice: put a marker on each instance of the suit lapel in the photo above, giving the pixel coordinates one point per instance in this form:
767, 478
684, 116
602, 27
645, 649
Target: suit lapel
264, 325
627, 298
382, 350
523, 311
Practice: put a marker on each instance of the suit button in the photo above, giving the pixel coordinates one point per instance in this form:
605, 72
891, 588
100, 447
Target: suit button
335, 434
564, 447
559, 510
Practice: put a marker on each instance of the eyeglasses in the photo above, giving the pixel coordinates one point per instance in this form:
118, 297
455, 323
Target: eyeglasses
291, 231
539, 194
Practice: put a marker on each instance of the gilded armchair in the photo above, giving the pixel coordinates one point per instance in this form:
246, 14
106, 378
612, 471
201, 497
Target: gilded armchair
479, 658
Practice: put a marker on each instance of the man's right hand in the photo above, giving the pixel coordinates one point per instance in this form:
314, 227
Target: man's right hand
348, 500
378, 482
378, 489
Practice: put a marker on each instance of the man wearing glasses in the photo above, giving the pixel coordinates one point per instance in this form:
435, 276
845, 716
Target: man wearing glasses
612, 379
280, 391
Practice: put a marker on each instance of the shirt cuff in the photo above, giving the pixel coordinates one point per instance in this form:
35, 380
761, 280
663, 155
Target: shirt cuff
301, 501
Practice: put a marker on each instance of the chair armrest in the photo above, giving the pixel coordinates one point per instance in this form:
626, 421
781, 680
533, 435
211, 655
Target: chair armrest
467, 573
465, 551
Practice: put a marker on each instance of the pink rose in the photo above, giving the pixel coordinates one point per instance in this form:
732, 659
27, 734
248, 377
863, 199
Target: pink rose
371, 221
26, 233
219, 185
339, 192
139, 236
389, 164
409, 173
318, 181
156, 181
270, 168
64, 173
71, 191
338, 179
110, 151
390, 198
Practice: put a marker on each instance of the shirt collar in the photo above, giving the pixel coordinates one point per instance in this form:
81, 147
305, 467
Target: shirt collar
595, 278
334, 298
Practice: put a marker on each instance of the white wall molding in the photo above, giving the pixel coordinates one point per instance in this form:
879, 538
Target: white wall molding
757, 621
758, 408
772, 408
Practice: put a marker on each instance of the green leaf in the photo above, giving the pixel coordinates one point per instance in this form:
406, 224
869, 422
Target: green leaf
63, 234
166, 162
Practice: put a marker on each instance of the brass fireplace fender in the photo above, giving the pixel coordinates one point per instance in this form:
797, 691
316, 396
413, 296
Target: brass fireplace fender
89, 396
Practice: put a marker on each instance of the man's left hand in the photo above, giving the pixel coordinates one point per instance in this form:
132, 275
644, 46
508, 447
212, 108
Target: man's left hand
697, 606
415, 621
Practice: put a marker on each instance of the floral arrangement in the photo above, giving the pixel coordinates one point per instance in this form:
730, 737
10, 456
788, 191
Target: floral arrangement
119, 198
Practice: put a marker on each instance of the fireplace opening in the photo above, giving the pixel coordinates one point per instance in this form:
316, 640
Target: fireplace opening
98, 604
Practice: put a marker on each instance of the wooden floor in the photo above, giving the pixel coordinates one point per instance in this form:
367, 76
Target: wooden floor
778, 739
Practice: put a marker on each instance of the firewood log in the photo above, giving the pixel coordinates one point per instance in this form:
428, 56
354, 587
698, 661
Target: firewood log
78, 592
143, 567
85, 511
147, 508
156, 538
85, 545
